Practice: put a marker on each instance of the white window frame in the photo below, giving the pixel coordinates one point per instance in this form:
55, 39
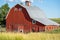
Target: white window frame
20, 9
15, 9
33, 21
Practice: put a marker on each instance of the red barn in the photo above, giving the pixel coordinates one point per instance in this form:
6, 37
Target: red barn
27, 18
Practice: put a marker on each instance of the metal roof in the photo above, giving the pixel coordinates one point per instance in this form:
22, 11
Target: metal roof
38, 15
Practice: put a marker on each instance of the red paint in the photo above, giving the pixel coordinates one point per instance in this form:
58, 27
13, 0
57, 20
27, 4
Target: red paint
51, 27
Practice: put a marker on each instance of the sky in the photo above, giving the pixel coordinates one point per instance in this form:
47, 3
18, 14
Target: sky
50, 7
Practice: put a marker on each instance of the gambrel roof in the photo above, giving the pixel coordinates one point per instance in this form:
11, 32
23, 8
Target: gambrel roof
38, 15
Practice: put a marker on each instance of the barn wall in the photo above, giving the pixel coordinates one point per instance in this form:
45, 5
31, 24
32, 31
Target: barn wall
41, 28
9, 20
20, 19
51, 27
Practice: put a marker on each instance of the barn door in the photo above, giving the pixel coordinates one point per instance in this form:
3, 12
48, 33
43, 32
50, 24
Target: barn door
20, 28
33, 29
14, 28
41, 29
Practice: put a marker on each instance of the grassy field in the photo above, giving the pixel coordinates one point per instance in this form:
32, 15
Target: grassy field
51, 35
56, 20
29, 36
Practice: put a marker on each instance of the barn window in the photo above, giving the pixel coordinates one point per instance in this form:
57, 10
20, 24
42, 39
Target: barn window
20, 9
33, 21
15, 9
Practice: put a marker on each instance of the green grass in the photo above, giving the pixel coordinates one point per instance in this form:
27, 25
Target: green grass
57, 31
56, 20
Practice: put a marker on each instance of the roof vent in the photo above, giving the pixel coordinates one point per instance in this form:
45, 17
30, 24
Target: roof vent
27, 3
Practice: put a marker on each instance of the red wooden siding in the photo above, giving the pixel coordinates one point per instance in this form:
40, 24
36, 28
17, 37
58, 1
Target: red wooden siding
18, 20
51, 27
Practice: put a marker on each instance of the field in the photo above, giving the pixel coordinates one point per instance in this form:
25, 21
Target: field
51, 35
56, 20
29, 36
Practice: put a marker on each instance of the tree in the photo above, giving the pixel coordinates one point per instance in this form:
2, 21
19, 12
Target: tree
3, 12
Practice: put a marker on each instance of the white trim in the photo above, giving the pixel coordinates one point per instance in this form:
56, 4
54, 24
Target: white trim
8, 13
33, 21
10, 9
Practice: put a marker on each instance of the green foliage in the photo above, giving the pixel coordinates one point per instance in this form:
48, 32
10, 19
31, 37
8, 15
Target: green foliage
5, 9
3, 12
